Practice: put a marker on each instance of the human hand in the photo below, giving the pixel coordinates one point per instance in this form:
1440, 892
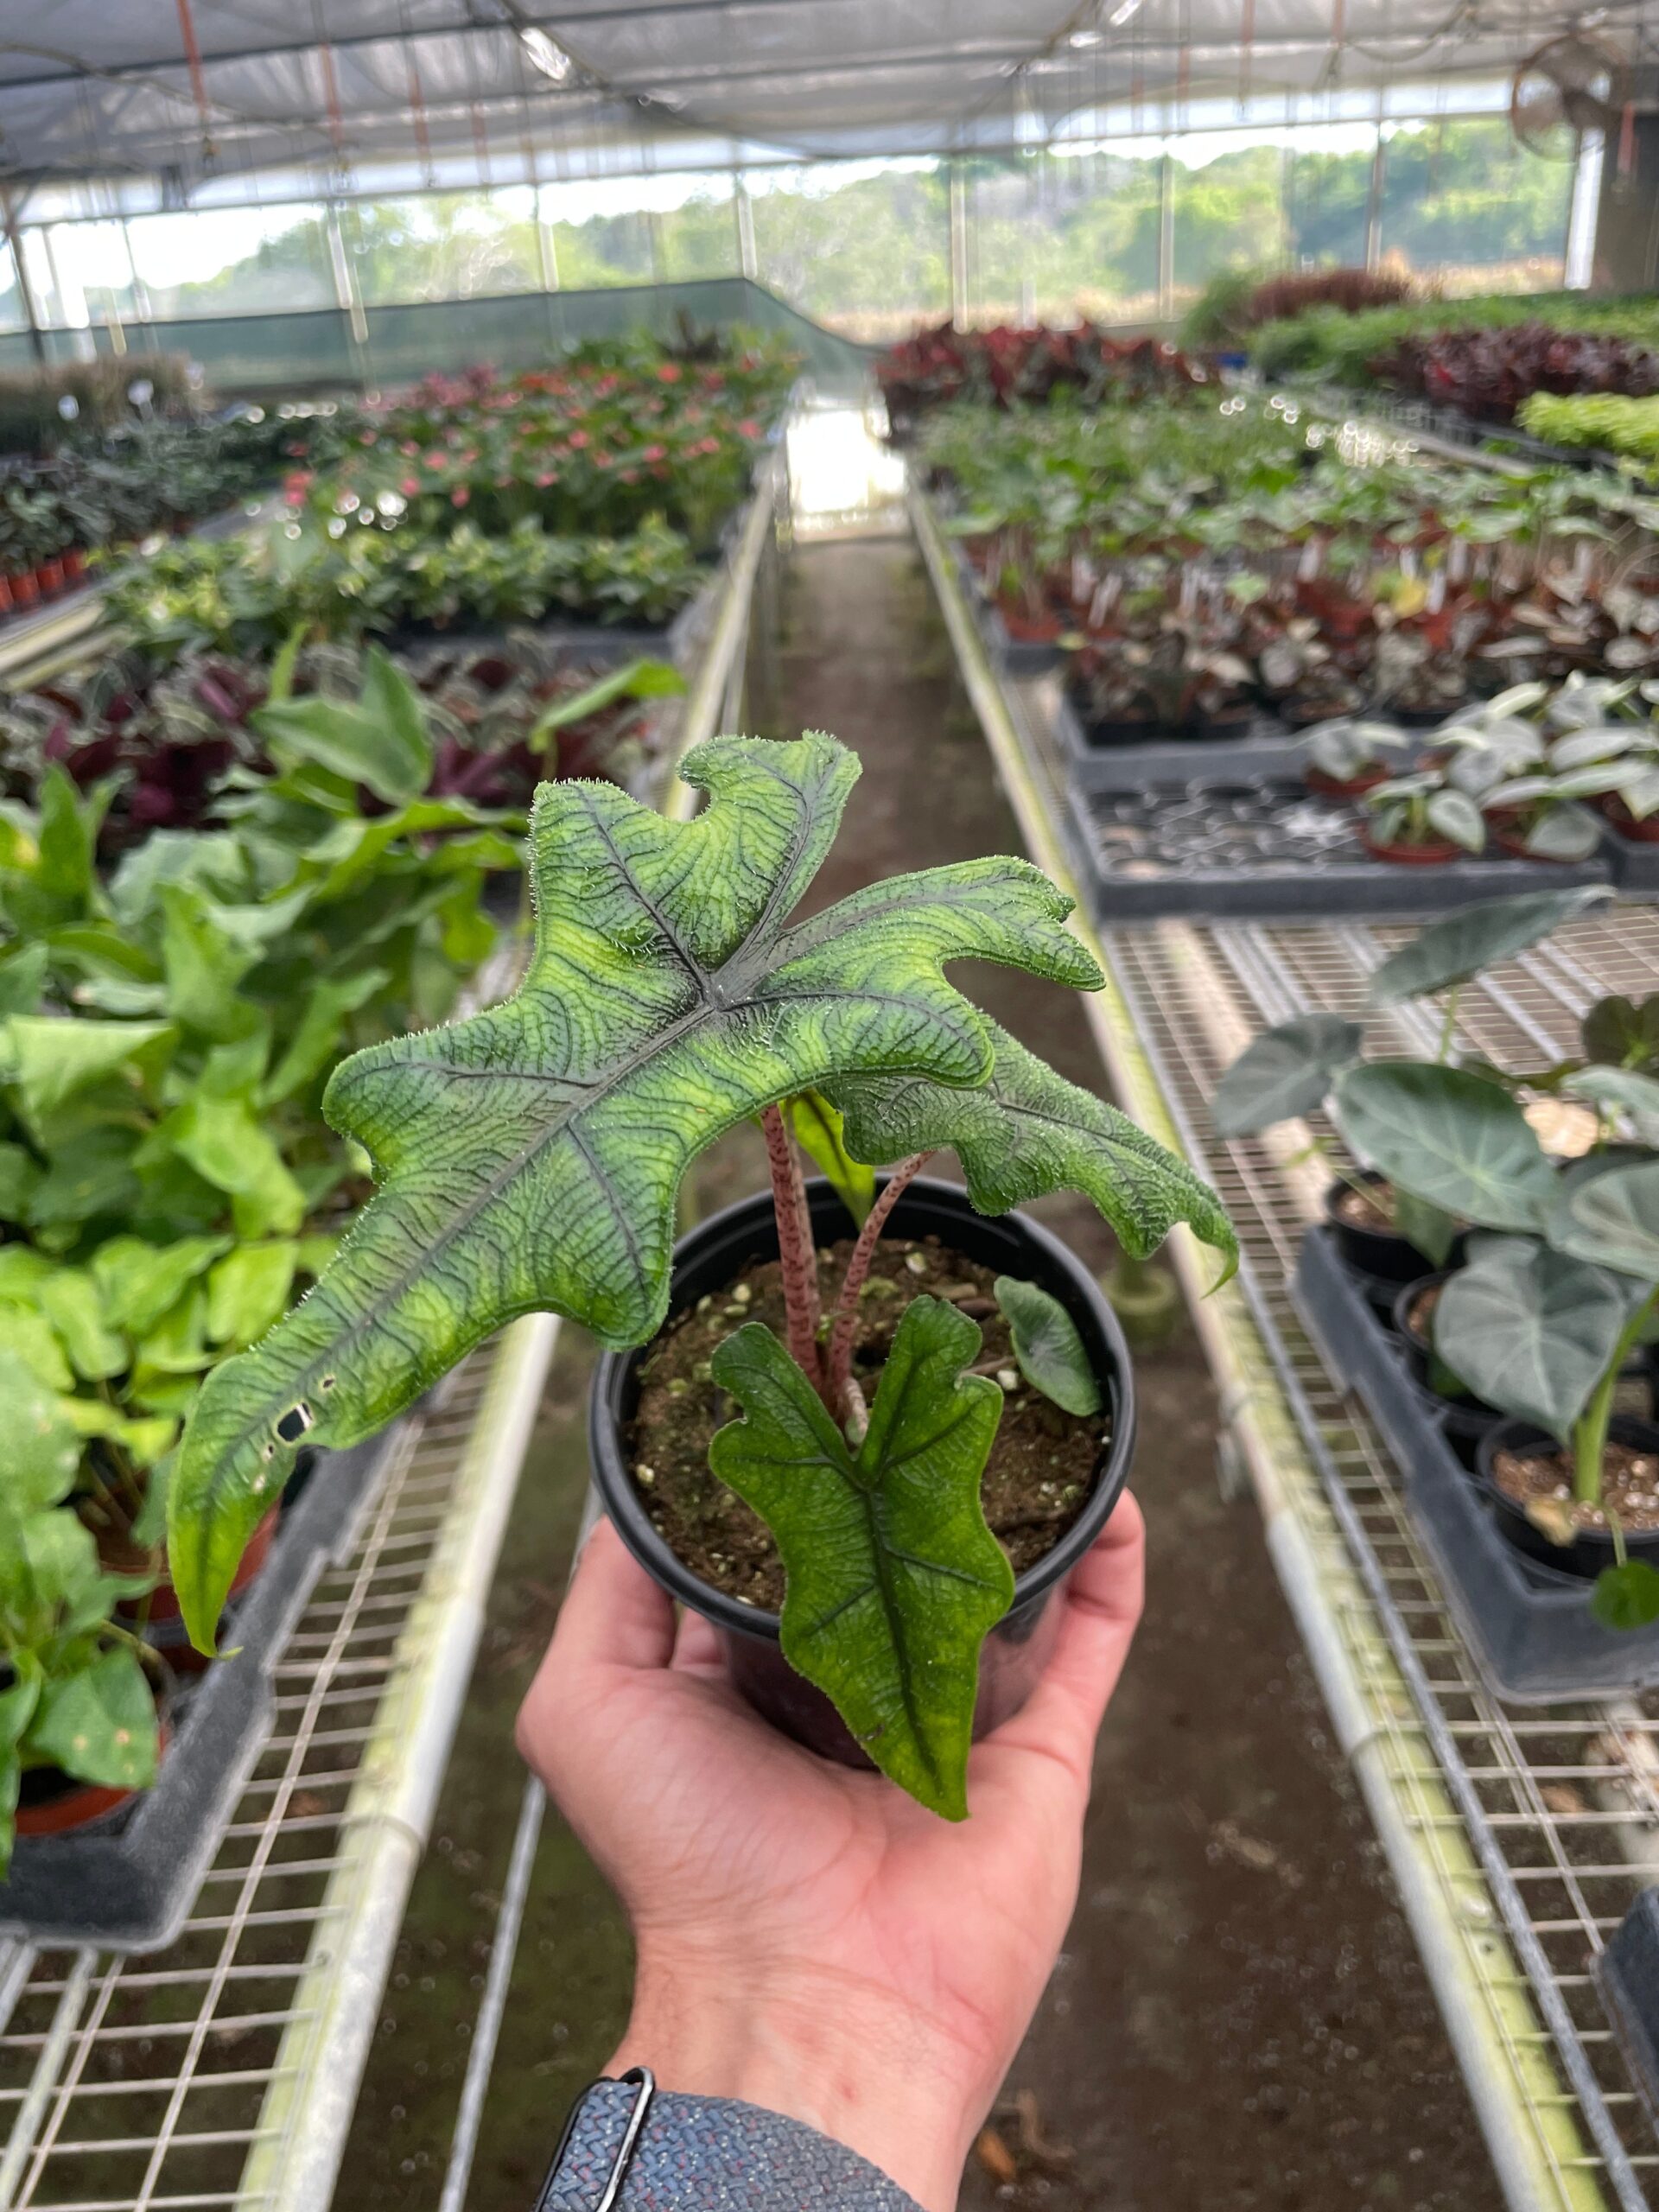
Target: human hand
808, 1938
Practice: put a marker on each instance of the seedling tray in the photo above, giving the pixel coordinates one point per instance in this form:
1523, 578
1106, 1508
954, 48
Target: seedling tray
1529, 1630
1268, 752
127, 1882
1267, 850
1635, 863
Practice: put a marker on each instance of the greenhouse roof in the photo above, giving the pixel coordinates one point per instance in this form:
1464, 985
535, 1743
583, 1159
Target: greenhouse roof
183, 95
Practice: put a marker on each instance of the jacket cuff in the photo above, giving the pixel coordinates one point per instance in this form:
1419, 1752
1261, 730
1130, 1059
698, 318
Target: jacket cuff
708, 2154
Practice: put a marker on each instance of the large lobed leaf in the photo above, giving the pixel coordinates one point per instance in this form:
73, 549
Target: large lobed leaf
1027, 1131
892, 1578
529, 1158
1449, 1136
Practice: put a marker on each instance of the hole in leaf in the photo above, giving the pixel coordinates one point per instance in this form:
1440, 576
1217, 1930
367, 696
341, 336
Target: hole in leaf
295, 1422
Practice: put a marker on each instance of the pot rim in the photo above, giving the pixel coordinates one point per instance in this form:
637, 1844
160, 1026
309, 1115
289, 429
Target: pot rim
1516, 1433
634, 1525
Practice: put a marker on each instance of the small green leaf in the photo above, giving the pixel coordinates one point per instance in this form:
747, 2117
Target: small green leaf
1619, 1090
72, 1302
99, 1724
1450, 951
248, 1292
140, 1282
1049, 1351
1449, 1136
1627, 1596
1284, 1073
1621, 1032
42, 1451
31, 1339
816, 1128
893, 1579
228, 1147
637, 679
379, 740
51, 1059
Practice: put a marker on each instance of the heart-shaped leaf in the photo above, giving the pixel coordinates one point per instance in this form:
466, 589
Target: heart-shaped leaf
99, 1724
1286, 1071
1051, 1354
891, 1577
1621, 1032
379, 740
1448, 1136
1612, 1219
529, 1156
1450, 951
1530, 1331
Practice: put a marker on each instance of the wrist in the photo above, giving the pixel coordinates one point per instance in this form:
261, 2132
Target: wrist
822, 2050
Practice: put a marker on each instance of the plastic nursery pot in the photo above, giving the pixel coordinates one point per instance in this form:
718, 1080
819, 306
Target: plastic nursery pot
1434, 852
50, 573
1418, 717
1018, 1647
25, 592
1590, 1549
1344, 787
75, 565
51, 1802
5, 595
1645, 832
1383, 1253
1464, 1420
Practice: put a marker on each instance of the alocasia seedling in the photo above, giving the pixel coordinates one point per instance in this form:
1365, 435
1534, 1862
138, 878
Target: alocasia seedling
529, 1158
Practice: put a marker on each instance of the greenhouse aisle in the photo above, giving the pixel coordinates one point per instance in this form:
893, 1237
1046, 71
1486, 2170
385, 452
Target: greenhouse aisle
1239, 2020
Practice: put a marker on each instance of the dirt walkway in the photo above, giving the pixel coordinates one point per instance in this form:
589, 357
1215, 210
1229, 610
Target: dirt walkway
1239, 2023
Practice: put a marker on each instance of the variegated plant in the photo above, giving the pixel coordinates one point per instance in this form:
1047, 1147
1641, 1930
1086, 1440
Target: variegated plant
529, 1158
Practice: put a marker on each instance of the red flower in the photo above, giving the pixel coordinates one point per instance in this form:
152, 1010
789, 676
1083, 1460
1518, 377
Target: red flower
460, 496
409, 487
578, 439
670, 372
653, 453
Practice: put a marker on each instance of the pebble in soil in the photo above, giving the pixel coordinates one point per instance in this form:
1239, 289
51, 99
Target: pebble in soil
1042, 1466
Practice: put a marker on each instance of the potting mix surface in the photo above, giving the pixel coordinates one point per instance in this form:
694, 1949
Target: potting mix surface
1042, 1466
1630, 1485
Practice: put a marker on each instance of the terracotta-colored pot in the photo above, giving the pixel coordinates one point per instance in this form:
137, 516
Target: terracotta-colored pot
1346, 787
1645, 832
25, 592
74, 564
5, 595
163, 1623
50, 573
1433, 854
76, 1806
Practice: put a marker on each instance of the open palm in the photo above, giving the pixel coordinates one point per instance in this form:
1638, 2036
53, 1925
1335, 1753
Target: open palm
808, 1937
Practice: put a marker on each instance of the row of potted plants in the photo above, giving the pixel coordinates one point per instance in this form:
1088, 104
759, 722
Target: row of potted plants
1539, 772
1011, 367
96, 496
1522, 1276
1328, 342
1203, 562
1604, 423
168, 1184
174, 748
597, 490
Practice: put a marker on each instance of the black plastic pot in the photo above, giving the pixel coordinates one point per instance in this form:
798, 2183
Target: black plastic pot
1018, 1647
1590, 1549
1465, 1419
1383, 1253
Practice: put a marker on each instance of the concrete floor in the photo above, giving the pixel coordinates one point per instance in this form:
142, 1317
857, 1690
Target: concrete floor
1239, 2020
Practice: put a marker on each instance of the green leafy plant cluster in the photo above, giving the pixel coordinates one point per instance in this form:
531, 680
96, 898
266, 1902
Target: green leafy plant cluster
1562, 1283
1329, 342
529, 1157
1601, 421
1208, 557
167, 1182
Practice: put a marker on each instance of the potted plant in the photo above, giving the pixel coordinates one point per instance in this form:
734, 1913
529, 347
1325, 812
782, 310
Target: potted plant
1420, 820
1347, 757
1542, 1327
530, 1157
79, 1730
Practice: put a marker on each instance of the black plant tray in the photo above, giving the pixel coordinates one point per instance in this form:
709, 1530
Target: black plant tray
1530, 1631
1269, 752
1627, 1975
1634, 861
127, 1882
1267, 850
1014, 656
609, 645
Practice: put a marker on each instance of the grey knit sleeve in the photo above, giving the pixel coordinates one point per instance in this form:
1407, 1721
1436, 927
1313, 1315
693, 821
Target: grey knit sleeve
705, 2154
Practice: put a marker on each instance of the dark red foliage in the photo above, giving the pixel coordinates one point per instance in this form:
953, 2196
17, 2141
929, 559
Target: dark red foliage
1353, 290
1487, 373
1007, 365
